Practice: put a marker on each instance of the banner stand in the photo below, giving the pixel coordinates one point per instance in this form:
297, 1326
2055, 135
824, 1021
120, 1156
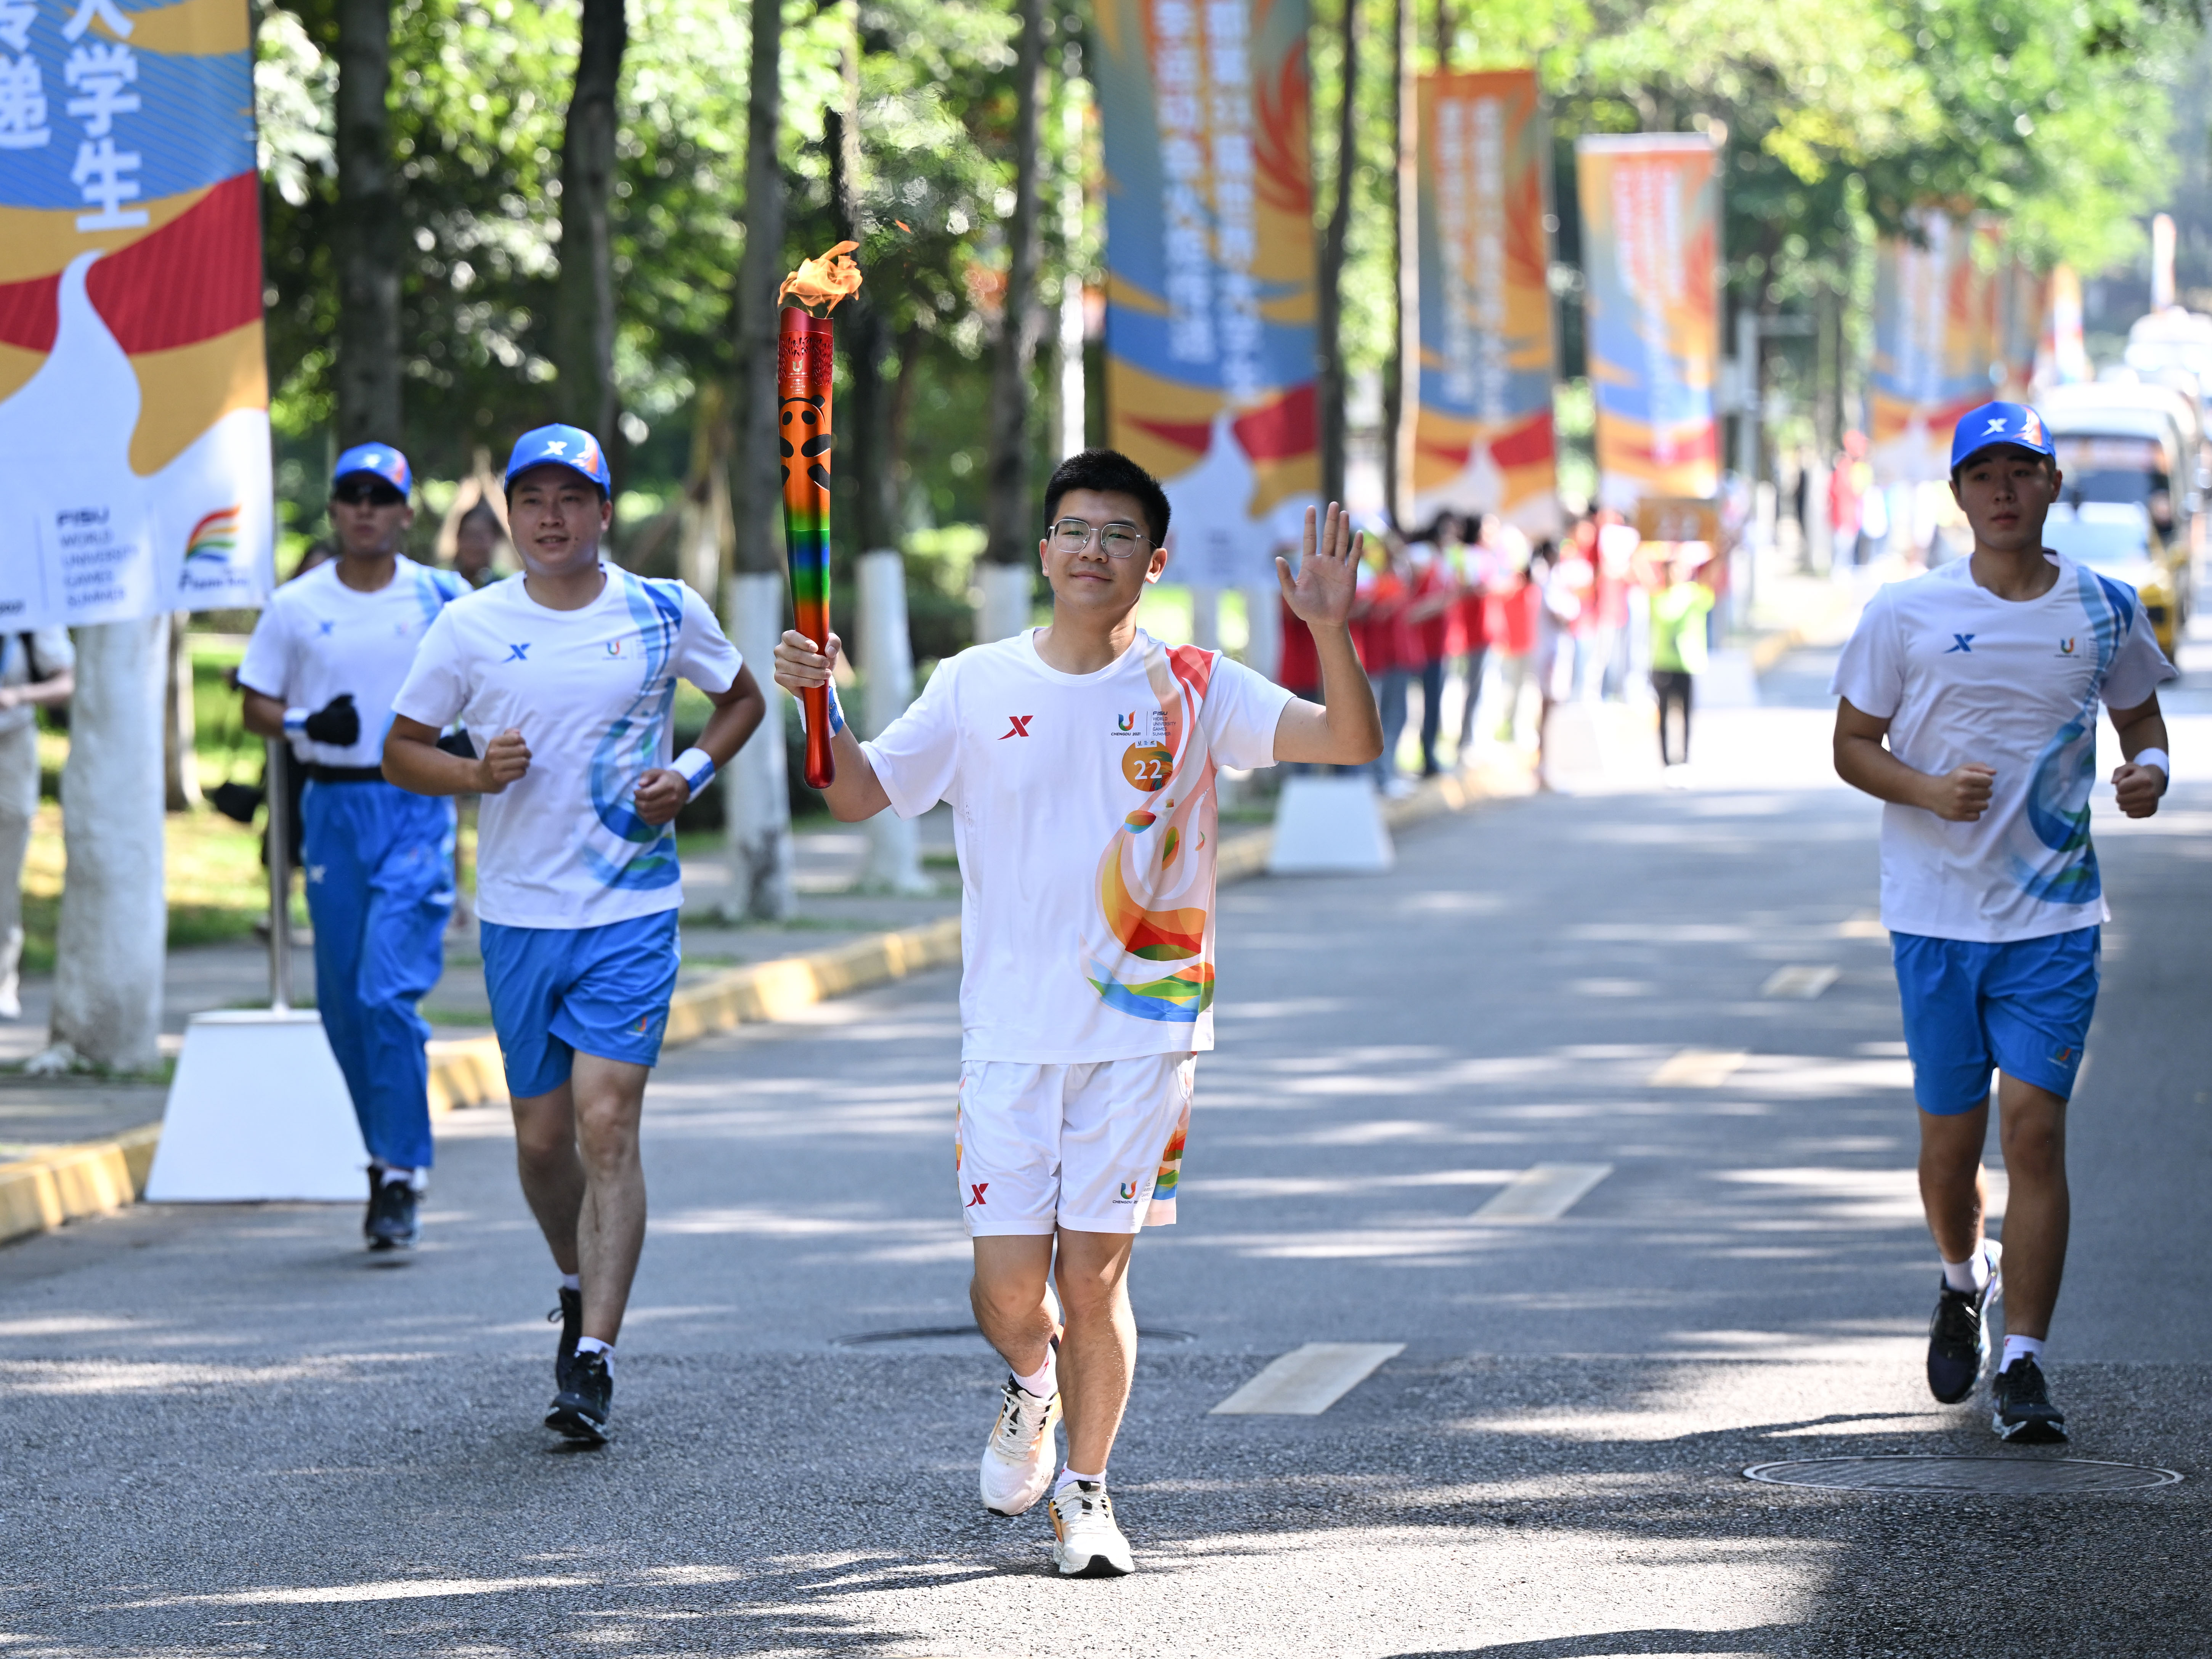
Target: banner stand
1329, 826
259, 1110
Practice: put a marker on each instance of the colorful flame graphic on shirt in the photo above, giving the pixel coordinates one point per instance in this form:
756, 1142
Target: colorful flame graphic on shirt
1156, 878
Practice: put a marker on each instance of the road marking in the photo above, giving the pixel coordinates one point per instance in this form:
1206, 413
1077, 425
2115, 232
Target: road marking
1864, 925
1698, 1068
1804, 981
1308, 1381
1544, 1192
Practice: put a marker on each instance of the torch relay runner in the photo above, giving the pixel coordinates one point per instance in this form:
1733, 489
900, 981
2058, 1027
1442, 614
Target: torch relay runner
1968, 702
1080, 761
567, 676
325, 658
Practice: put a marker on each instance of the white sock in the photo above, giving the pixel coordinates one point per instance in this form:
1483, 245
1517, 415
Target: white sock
389, 1175
573, 1282
1069, 1477
1044, 1382
2021, 1347
1972, 1274
593, 1344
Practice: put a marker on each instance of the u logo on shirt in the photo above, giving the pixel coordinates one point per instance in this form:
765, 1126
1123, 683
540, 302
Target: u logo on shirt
614, 648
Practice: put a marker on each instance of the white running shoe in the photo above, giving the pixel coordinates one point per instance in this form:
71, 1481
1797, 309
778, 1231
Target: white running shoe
1087, 1544
1019, 1457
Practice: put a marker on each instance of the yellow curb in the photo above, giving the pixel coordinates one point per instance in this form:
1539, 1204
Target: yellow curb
96, 1176
69, 1183
1771, 648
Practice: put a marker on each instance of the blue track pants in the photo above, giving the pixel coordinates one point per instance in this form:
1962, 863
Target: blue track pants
380, 865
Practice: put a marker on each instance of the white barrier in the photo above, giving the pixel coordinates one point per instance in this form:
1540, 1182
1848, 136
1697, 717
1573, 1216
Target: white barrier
259, 1111
1328, 825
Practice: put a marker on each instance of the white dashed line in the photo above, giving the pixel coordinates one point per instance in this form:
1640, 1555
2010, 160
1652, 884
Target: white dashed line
1803, 980
1544, 1192
1698, 1068
1308, 1381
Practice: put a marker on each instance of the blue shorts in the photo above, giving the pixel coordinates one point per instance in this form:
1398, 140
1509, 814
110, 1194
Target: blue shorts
2023, 1007
557, 990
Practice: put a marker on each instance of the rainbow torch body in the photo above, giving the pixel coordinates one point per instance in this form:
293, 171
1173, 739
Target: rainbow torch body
803, 353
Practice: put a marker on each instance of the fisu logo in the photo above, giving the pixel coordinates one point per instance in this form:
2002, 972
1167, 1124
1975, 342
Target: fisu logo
1125, 722
614, 648
2065, 648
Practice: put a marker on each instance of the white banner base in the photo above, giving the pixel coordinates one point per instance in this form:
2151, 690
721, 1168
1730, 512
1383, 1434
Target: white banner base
1328, 825
258, 1112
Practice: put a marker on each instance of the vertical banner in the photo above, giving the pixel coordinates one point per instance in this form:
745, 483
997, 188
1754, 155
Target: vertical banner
1482, 432
134, 388
1210, 259
1651, 228
1936, 339
2027, 297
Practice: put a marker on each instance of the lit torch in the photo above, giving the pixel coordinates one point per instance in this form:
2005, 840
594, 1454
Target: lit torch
803, 354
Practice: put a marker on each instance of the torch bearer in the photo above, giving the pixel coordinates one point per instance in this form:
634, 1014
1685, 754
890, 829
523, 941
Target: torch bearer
803, 426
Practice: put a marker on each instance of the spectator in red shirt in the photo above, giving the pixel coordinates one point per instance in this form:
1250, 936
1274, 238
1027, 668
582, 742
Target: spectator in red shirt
1470, 624
1433, 599
1383, 628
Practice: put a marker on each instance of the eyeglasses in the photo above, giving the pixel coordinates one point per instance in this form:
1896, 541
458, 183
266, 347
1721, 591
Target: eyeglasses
363, 494
1119, 540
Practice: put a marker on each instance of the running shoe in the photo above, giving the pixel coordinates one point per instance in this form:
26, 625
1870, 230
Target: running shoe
1958, 1336
2021, 1408
580, 1410
1019, 1456
570, 1313
1086, 1542
392, 1224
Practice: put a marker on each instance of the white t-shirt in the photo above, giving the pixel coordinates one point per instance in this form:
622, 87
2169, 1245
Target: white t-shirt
1962, 675
54, 652
590, 690
318, 638
1083, 813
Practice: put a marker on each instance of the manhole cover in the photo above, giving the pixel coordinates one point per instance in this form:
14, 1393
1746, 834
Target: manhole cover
943, 1333
2003, 1476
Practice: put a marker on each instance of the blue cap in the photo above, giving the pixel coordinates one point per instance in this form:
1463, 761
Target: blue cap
381, 459
560, 445
1999, 423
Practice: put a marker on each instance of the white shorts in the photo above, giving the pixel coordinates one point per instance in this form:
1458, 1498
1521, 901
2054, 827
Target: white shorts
1094, 1148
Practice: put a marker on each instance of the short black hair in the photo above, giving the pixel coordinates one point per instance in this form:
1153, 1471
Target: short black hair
1109, 470
2049, 462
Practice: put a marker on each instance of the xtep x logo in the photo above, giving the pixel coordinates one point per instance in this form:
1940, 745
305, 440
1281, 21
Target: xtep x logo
517, 654
1020, 728
1963, 644
975, 1191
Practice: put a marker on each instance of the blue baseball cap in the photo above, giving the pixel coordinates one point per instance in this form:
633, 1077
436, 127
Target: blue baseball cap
381, 459
560, 445
1992, 424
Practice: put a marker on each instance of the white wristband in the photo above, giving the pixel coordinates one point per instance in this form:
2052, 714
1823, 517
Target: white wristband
695, 766
2155, 758
295, 722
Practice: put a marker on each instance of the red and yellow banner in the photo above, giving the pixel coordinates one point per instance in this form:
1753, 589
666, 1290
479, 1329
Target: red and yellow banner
1210, 259
134, 393
1940, 345
1482, 432
1650, 218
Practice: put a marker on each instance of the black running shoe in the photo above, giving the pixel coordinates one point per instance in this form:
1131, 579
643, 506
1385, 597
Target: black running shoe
391, 1223
570, 1313
1959, 1341
580, 1410
2022, 1411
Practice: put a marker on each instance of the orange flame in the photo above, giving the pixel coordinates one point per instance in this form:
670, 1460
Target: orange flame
831, 278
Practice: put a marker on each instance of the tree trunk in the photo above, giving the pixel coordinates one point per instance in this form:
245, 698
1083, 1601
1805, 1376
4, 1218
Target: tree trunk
368, 230
584, 307
865, 457
1447, 33
1402, 386
180, 774
115, 920
1334, 385
759, 804
1010, 519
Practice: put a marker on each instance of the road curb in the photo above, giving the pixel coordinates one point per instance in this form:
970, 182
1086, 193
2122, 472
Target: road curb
94, 1177
68, 1184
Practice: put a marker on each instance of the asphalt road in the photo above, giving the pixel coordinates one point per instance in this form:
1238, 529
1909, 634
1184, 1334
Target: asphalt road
227, 1433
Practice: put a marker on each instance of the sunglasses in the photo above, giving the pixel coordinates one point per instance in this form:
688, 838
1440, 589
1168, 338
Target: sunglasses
359, 492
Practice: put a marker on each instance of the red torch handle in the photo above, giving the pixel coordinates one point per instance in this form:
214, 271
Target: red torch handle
803, 364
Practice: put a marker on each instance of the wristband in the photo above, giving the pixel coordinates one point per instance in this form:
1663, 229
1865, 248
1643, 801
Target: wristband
2155, 758
836, 710
695, 766
295, 722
